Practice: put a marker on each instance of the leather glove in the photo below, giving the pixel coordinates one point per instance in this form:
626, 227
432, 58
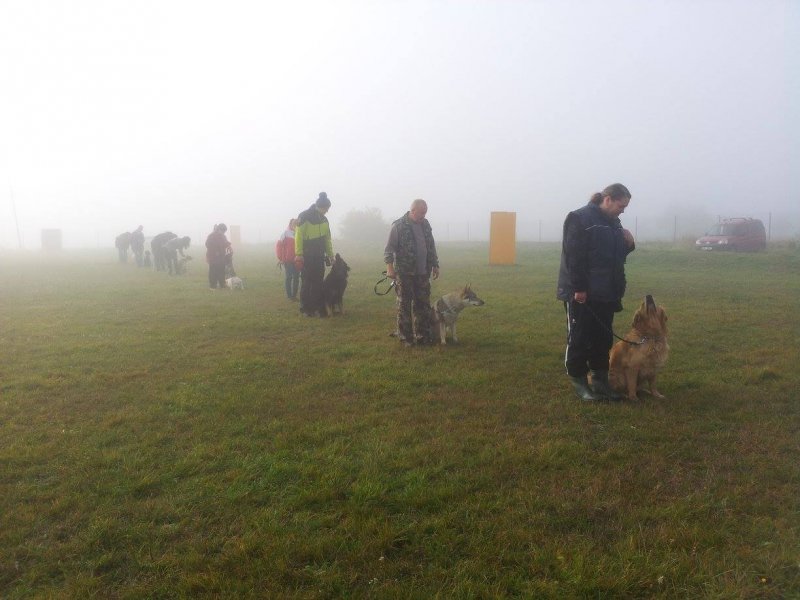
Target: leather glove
299, 263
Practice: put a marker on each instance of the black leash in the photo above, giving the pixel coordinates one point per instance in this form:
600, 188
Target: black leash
380, 281
611, 331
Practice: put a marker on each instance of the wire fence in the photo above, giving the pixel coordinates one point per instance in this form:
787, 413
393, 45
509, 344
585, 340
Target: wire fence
672, 228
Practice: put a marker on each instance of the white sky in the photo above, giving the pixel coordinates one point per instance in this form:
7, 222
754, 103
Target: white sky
180, 114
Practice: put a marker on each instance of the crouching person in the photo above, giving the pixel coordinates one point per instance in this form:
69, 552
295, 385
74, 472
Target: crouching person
172, 248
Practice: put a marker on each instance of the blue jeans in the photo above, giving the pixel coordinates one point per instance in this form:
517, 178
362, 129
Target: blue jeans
292, 279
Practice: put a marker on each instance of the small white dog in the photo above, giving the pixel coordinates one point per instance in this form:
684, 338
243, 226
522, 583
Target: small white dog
235, 283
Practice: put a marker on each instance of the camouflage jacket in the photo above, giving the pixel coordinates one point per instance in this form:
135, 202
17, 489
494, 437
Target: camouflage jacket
402, 247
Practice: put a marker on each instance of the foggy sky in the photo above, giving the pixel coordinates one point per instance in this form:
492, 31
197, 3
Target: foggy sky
180, 114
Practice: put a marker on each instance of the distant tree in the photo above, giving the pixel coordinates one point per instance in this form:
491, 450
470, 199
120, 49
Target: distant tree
364, 226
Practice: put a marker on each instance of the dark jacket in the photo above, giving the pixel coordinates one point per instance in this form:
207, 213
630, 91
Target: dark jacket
137, 241
158, 241
123, 240
593, 254
312, 237
216, 248
402, 247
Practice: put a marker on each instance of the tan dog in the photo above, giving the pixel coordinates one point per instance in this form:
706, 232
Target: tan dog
634, 367
448, 307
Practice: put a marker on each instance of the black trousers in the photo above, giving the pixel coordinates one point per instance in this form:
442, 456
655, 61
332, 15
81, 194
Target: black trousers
589, 336
311, 299
216, 275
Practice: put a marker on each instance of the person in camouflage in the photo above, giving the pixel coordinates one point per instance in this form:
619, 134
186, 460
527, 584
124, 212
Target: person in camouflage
411, 259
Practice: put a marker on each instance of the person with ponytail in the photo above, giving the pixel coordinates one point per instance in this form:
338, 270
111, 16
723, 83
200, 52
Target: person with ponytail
591, 284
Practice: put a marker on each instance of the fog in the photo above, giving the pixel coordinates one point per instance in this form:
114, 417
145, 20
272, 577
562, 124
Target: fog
178, 115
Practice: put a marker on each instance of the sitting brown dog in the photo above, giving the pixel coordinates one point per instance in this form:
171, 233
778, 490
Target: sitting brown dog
634, 366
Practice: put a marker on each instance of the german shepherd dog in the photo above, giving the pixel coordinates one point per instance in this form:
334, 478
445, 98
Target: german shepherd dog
634, 367
449, 306
334, 285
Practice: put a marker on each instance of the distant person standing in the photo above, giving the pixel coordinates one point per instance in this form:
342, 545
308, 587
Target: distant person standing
591, 283
285, 252
313, 248
411, 259
137, 245
122, 242
217, 247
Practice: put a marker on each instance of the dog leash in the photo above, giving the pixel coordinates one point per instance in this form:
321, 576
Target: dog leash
380, 281
611, 331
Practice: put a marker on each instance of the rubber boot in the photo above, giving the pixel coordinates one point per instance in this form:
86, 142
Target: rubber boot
581, 385
601, 387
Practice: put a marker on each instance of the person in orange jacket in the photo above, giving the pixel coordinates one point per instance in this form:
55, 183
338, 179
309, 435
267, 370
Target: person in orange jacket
285, 252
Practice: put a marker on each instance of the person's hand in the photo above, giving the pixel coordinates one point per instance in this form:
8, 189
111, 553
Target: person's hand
299, 263
327, 261
628, 238
435, 272
580, 297
390, 271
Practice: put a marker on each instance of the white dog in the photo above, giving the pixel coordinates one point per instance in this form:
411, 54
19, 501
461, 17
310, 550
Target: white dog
235, 283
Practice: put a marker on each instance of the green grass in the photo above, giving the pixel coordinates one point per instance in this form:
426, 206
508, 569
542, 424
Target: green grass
158, 439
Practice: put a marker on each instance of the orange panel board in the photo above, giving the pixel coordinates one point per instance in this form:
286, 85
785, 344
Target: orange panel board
503, 238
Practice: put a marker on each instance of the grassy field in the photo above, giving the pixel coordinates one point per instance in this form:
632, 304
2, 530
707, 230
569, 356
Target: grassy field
158, 439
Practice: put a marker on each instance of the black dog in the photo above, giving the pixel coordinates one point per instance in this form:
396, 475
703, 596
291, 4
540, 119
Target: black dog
334, 285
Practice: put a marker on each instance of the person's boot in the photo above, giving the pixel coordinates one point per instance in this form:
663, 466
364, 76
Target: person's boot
601, 387
581, 385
